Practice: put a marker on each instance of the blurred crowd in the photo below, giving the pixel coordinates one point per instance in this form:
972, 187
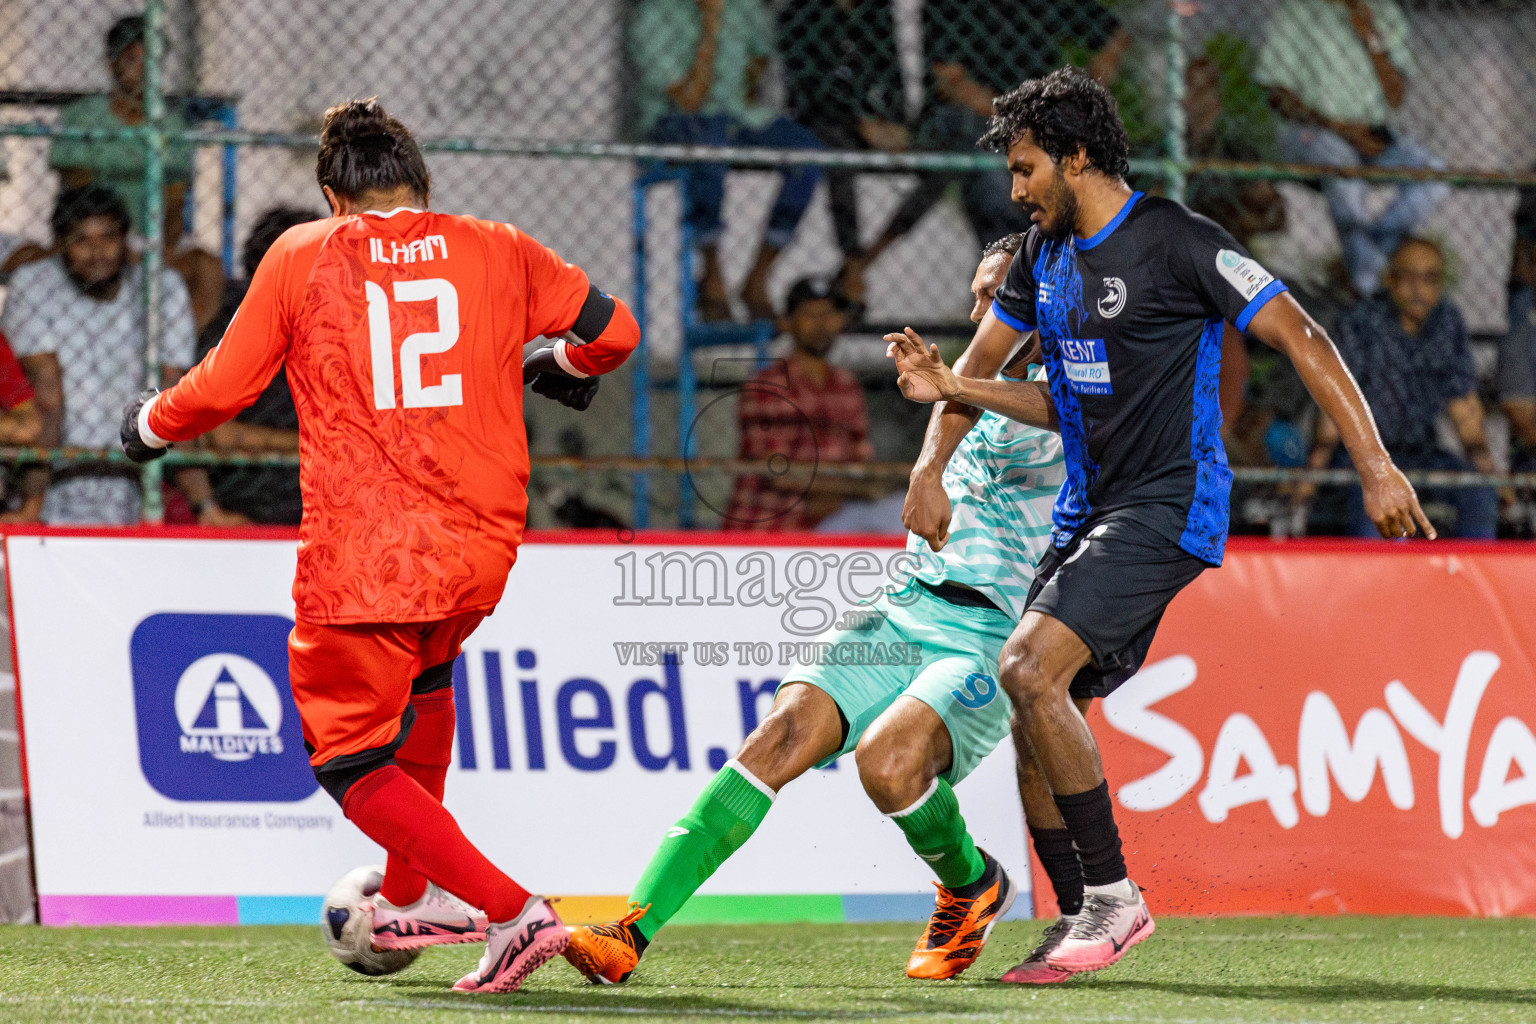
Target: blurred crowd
1320, 88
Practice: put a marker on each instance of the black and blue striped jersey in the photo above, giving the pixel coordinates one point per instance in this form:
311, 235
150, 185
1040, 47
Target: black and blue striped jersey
1130, 324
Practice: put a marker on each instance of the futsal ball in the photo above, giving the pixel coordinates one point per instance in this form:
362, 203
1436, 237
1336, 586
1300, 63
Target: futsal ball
346, 921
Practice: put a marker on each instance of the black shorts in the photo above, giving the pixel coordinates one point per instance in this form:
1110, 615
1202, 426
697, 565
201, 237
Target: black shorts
1110, 586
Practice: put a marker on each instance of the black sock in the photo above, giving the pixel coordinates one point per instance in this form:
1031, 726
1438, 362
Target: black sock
1057, 855
1090, 817
976, 888
638, 938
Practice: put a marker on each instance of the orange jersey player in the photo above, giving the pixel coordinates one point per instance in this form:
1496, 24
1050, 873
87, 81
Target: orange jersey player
402, 332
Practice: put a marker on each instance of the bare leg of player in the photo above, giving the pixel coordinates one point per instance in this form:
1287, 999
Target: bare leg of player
901, 758
901, 753
1037, 667
803, 728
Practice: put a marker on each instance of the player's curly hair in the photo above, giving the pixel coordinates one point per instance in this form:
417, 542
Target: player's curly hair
363, 150
1063, 112
1009, 244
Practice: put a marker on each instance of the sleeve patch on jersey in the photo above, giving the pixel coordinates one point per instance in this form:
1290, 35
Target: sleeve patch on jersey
1257, 303
1086, 361
1243, 273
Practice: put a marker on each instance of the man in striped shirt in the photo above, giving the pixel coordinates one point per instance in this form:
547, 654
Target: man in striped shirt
918, 727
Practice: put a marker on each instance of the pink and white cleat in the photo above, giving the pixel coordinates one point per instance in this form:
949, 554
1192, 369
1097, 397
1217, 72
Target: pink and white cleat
1105, 929
1034, 970
515, 949
439, 918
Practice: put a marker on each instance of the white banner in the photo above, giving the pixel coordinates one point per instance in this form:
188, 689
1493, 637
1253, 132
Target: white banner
168, 778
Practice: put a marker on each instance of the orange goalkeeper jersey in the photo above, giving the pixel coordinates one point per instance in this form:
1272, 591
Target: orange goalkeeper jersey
403, 337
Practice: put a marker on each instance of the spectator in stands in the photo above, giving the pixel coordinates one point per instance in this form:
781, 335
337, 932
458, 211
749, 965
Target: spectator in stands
700, 64
270, 425
76, 322
1410, 353
20, 421
14, 249
1517, 352
1227, 119
843, 75
802, 409
1335, 70
1522, 270
119, 164
973, 53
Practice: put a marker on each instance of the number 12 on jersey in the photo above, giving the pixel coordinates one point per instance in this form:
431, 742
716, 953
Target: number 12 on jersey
423, 343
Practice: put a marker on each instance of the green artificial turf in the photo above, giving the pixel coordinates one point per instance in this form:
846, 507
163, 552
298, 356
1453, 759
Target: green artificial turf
1241, 970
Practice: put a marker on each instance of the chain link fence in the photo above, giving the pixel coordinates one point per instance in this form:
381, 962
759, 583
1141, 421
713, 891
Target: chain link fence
698, 158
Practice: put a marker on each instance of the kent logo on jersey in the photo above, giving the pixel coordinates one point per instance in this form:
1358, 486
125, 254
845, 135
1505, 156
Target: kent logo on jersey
1086, 362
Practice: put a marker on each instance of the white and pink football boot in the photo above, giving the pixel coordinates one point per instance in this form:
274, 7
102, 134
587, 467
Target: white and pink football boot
515, 949
439, 918
1035, 970
1105, 929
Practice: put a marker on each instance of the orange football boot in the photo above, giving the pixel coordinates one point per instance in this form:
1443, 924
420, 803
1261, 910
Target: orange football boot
959, 927
606, 954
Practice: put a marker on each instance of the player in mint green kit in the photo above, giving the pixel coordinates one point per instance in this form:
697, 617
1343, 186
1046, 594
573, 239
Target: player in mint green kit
915, 729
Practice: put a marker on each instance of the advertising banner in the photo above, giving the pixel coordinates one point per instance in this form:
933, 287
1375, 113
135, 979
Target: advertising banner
169, 782
1320, 728
1332, 728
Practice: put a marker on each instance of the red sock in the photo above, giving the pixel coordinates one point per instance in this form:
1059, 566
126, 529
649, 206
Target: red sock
424, 756
395, 812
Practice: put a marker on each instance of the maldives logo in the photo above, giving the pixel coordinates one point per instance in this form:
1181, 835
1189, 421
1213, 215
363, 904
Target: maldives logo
228, 707
216, 720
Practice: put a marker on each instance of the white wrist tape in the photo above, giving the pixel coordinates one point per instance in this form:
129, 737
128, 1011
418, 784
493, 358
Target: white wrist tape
564, 360
146, 435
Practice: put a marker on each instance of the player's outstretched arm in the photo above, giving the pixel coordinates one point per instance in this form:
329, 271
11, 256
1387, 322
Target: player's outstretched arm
925, 378
1390, 500
926, 511
229, 378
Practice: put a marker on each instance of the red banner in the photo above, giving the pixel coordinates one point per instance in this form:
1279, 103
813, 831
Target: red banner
1334, 728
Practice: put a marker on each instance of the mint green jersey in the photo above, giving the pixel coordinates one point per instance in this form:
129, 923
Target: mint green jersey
1002, 483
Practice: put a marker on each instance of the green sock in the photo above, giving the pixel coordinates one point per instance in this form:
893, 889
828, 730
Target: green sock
723, 817
936, 832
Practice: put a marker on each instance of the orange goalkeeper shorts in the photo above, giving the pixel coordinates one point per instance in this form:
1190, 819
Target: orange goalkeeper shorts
353, 683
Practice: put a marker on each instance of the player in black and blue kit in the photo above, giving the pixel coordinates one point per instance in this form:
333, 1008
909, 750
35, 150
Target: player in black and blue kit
1128, 294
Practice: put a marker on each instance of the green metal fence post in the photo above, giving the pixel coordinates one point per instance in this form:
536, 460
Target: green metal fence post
154, 226
1178, 161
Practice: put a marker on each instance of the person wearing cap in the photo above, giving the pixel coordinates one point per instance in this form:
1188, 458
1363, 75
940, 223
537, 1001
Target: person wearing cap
118, 164
801, 409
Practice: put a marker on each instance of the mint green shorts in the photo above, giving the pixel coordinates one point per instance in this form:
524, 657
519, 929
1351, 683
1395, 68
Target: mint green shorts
915, 644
